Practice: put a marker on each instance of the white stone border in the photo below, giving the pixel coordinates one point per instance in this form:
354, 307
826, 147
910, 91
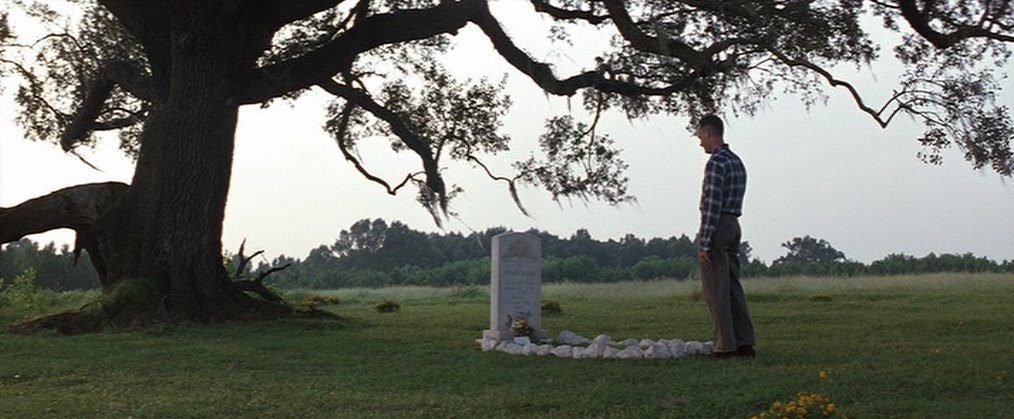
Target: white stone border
572, 345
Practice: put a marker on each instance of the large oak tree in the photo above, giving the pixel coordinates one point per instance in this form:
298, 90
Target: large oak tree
170, 76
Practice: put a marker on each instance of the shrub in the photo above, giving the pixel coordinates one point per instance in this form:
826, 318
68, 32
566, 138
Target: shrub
467, 291
387, 306
315, 300
23, 296
551, 307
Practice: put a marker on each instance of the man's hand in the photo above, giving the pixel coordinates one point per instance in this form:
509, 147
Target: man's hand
704, 258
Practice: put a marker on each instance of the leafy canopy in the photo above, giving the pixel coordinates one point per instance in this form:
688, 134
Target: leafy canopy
105, 66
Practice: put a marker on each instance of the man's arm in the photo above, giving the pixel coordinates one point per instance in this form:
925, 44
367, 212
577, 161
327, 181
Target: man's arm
711, 203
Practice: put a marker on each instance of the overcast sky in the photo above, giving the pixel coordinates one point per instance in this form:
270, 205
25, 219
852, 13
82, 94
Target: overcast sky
829, 172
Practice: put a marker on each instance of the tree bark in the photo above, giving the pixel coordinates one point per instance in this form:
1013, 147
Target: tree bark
160, 242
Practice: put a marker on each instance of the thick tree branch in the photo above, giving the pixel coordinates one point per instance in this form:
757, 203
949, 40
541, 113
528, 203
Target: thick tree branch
336, 56
147, 21
919, 20
81, 124
84, 121
542, 74
278, 13
543, 6
656, 45
77, 207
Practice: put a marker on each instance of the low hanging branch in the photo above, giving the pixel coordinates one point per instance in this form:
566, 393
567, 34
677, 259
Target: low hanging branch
401, 128
77, 208
343, 146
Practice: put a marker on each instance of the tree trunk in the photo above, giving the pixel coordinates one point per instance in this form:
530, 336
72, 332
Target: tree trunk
168, 228
160, 243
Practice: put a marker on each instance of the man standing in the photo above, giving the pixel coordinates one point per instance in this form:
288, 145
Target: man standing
719, 236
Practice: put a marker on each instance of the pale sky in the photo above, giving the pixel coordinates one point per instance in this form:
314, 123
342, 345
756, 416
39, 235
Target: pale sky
830, 172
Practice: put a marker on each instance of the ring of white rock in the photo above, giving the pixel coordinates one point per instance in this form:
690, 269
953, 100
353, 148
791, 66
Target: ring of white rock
572, 345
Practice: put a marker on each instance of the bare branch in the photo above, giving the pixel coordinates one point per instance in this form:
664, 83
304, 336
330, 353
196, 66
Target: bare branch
343, 146
836, 83
401, 128
511, 182
36, 86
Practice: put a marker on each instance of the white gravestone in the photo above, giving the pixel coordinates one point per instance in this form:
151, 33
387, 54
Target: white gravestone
515, 284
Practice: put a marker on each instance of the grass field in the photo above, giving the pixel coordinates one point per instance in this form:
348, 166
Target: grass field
927, 346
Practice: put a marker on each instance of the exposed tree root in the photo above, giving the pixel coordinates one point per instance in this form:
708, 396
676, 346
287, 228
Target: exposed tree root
137, 304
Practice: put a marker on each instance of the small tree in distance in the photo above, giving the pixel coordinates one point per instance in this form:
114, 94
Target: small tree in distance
809, 250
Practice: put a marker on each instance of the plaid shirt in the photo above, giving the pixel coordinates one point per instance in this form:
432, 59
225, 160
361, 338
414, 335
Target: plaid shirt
724, 187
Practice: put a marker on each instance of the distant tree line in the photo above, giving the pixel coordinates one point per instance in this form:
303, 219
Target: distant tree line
54, 268
373, 253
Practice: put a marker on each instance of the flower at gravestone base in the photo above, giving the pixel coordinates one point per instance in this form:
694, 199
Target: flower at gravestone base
693, 347
529, 349
610, 352
563, 351
658, 351
630, 352
629, 342
522, 328
645, 343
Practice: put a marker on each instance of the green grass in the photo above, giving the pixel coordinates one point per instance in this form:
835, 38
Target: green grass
924, 346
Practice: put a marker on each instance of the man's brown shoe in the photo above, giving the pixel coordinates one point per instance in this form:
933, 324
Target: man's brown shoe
746, 351
723, 355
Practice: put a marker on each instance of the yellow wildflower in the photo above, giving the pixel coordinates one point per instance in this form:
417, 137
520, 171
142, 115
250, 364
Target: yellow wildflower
830, 407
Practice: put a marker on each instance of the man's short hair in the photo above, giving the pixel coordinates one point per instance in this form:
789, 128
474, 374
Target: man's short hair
713, 123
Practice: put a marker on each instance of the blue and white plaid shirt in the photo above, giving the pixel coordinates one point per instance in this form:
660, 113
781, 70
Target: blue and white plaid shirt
724, 187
